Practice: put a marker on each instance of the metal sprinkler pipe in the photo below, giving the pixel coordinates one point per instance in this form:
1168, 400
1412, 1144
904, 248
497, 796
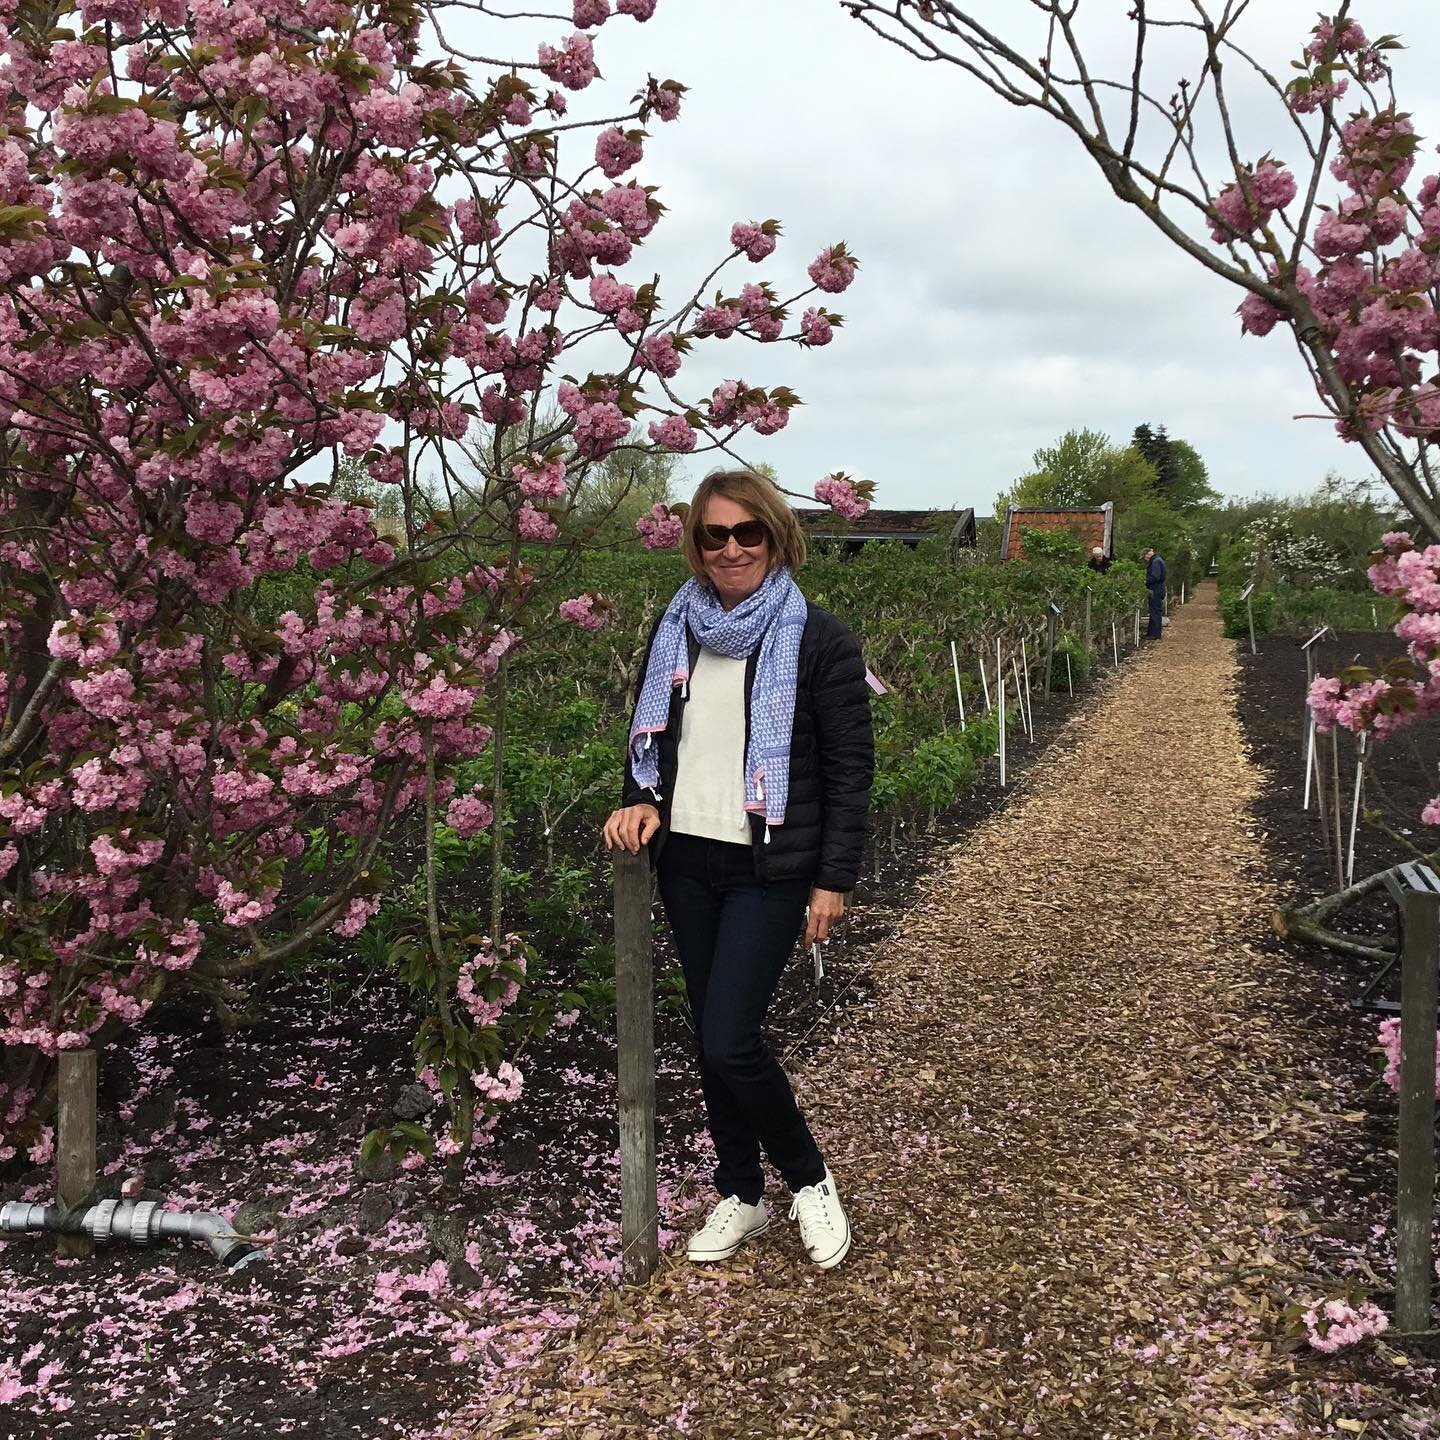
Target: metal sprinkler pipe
137, 1222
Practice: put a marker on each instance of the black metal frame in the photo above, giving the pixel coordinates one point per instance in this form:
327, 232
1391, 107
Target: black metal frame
1399, 881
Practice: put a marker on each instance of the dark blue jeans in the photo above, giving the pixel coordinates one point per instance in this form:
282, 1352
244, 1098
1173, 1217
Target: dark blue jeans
734, 935
1156, 628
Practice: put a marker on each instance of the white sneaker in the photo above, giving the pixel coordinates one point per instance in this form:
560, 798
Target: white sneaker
824, 1230
732, 1222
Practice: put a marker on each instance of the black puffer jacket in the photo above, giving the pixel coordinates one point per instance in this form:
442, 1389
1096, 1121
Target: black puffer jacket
832, 762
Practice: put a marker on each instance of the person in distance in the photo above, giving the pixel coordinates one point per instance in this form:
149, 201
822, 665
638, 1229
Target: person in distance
1098, 560
748, 774
1155, 586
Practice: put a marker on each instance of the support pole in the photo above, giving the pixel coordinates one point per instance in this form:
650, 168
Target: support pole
1355, 810
1337, 844
1069, 677
1089, 634
1000, 702
1029, 701
1307, 744
1137, 629
1020, 698
635, 1023
1250, 621
75, 1149
984, 683
959, 697
1051, 621
1416, 1191
1115, 642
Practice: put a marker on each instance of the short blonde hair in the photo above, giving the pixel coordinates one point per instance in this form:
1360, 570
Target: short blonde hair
758, 495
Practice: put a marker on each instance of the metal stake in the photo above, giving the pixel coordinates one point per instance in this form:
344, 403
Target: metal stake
959, 698
1355, 809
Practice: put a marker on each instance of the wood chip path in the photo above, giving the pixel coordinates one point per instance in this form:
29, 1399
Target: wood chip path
1060, 1131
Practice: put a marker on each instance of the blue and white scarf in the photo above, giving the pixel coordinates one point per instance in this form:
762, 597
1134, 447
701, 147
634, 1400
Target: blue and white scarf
772, 618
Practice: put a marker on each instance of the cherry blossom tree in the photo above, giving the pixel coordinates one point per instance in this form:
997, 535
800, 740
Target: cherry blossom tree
242, 245
1335, 240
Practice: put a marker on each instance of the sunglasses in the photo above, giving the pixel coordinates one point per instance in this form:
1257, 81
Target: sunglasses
748, 534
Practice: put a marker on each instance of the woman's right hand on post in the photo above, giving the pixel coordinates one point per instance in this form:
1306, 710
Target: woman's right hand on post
632, 827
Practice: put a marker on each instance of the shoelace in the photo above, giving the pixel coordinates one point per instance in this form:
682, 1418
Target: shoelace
723, 1212
809, 1204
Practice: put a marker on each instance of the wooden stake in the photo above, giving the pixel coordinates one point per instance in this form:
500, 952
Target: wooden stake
1089, 636
1416, 1191
1250, 621
1115, 642
635, 1022
984, 683
75, 1148
959, 697
1069, 678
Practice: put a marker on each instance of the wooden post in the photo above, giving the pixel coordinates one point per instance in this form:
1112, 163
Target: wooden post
1089, 636
1416, 1195
1250, 621
75, 1146
635, 1022
1052, 619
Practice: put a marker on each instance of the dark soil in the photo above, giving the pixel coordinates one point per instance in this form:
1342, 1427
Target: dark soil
1352, 1188
379, 1306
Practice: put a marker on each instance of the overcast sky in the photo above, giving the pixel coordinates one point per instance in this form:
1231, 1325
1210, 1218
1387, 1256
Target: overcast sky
1005, 295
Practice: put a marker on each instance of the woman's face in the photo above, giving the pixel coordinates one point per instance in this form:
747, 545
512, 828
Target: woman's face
736, 571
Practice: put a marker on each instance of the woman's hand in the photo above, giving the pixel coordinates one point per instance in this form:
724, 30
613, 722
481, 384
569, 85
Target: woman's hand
826, 908
632, 827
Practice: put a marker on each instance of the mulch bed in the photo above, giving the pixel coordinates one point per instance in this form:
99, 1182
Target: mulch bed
1352, 1180
379, 1307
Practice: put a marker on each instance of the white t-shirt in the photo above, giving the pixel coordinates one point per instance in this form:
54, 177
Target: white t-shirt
709, 796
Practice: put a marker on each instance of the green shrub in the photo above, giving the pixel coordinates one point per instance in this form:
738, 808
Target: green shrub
1081, 661
1234, 619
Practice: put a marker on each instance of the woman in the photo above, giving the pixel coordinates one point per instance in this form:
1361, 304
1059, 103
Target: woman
748, 774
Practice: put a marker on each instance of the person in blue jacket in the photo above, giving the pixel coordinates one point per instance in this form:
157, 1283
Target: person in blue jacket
1155, 584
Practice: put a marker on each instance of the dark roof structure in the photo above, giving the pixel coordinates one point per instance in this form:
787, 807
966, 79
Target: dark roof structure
909, 527
1090, 525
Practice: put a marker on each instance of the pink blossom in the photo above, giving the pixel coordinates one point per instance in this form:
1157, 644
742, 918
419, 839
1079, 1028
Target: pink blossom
841, 496
589, 13
1333, 1325
660, 529
572, 65
661, 354
815, 327
833, 269
584, 611
1270, 188
534, 525
616, 150
1258, 316
755, 240
468, 815
675, 433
